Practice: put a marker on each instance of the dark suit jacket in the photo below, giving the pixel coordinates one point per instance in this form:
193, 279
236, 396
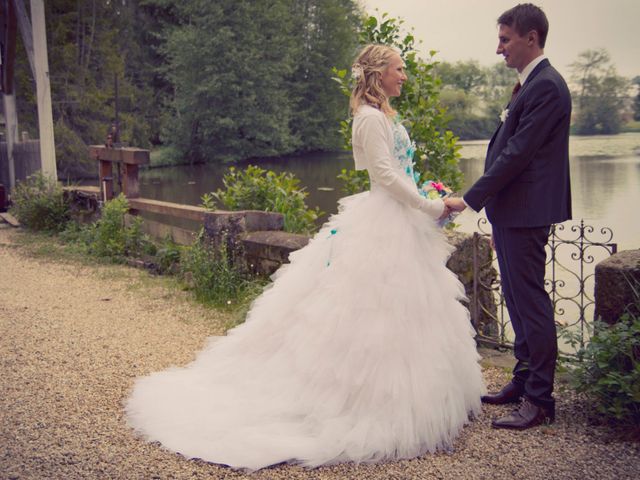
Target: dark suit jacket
526, 174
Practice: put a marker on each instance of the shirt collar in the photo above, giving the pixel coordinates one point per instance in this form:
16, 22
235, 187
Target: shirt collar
529, 68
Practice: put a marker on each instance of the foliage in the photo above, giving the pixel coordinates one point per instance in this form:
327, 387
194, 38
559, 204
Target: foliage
609, 373
111, 237
218, 80
39, 204
600, 97
418, 106
354, 181
251, 79
90, 43
636, 101
474, 96
167, 256
328, 29
257, 189
213, 274
467, 76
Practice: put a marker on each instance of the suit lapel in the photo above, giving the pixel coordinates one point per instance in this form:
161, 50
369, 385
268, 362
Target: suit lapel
542, 65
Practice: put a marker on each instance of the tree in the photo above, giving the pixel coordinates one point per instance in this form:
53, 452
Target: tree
600, 93
252, 79
636, 103
90, 43
419, 105
328, 30
227, 66
467, 76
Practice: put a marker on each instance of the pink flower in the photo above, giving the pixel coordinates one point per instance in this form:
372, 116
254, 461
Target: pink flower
439, 186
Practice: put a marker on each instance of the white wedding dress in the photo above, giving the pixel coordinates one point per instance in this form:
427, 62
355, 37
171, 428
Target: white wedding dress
358, 351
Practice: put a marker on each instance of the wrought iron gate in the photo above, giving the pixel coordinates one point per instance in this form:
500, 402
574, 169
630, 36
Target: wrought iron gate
572, 253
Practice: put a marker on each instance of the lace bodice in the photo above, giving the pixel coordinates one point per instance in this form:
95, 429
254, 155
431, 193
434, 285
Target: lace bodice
404, 150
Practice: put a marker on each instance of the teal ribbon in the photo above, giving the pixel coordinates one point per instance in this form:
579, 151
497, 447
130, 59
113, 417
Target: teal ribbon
330, 237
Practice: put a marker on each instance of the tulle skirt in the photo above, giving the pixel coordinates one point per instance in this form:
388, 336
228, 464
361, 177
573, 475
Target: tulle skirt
358, 351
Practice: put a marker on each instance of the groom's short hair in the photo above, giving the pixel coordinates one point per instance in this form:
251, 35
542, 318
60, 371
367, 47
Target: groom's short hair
526, 17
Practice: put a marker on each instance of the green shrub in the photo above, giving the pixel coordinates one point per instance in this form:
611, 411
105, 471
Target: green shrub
609, 373
168, 256
39, 204
214, 274
419, 107
258, 189
354, 181
111, 237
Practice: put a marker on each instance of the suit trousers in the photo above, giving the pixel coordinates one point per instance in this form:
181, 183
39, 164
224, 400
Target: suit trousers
522, 259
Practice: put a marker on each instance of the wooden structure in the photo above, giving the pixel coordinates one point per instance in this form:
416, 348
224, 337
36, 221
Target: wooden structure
129, 159
13, 17
266, 246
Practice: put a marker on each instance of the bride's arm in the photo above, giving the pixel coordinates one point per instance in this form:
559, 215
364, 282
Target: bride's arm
371, 130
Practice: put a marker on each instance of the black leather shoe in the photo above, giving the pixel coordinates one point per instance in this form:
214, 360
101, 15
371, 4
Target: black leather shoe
528, 415
511, 393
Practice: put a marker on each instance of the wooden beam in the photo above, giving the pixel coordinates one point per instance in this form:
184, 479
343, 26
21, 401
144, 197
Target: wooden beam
11, 128
130, 184
26, 32
8, 41
10, 219
168, 208
133, 156
105, 173
43, 89
89, 189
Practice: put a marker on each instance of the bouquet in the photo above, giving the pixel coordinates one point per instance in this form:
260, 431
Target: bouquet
434, 190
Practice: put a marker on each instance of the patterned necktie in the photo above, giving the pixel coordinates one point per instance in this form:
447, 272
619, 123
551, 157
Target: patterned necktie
515, 91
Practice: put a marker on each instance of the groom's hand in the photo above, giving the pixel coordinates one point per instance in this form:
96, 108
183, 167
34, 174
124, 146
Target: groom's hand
455, 204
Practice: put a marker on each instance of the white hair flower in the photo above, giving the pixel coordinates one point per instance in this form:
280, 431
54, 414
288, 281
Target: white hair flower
356, 71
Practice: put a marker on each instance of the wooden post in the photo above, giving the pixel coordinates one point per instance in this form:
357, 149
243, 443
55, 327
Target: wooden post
130, 158
11, 123
106, 180
43, 89
25, 32
131, 186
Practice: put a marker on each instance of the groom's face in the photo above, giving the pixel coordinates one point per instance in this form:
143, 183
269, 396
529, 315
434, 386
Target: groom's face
513, 47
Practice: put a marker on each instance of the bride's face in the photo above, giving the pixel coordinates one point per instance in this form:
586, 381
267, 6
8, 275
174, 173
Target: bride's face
393, 77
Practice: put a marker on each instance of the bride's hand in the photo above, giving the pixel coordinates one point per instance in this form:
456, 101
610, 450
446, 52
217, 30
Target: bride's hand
445, 213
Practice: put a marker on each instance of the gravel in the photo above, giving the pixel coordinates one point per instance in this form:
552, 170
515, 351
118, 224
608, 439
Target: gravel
73, 337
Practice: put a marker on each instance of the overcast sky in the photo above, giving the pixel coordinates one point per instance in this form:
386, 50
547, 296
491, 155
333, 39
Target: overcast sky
466, 29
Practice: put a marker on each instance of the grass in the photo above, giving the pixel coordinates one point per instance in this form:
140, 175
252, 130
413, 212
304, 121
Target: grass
51, 248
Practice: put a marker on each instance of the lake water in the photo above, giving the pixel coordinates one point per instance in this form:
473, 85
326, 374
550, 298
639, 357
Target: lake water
605, 181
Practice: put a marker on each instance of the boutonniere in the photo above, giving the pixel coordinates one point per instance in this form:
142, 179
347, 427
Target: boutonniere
504, 115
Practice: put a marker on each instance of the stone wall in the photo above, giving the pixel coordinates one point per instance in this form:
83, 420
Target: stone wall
617, 282
257, 238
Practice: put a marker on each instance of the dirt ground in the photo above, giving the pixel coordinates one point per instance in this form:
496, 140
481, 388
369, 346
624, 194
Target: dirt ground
74, 335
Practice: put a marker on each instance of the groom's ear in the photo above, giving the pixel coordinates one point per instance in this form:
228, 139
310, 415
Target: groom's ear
532, 38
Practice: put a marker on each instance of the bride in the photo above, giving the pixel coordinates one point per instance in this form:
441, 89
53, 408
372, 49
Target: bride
358, 351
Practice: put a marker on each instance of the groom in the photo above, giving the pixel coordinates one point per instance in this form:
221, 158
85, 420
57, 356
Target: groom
524, 189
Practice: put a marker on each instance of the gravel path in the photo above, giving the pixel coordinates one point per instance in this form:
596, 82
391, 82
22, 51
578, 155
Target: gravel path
73, 338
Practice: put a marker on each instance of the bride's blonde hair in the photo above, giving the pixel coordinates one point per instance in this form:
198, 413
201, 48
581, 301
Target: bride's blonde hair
367, 70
